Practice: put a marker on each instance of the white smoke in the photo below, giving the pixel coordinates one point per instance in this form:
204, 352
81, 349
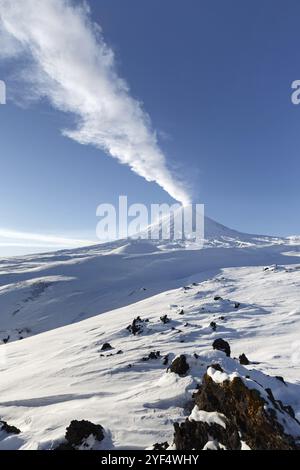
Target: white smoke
73, 67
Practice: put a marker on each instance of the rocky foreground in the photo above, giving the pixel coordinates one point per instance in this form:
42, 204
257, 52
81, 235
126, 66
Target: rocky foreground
232, 408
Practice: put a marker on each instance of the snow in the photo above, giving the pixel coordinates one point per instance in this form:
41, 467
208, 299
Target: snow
66, 305
208, 417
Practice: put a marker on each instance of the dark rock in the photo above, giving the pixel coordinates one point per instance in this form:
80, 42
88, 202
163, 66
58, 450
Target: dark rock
222, 345
194, 435
278, 377
166, 360
137, 326
161, 446
152, 355
106, 347
222, 318
213, 325
181, 312
78, 431
5, 340
165, 319
119, 352
217, 297
237, 305
244, 360
179, 365
278, 405
8, 428
249, 417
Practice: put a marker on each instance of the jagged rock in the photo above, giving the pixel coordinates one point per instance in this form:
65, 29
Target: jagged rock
237, 305
249, 418
217, 297
192, 435
161, 446
5, 340
222, 345
78, 432
137, 326
181, 312
244, 360
8, 428
213, 325
106, 347
152, 355
179, 365
166, 360
165, 319
278, 405
278, 377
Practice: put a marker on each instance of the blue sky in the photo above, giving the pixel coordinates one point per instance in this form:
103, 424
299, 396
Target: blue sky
214, 76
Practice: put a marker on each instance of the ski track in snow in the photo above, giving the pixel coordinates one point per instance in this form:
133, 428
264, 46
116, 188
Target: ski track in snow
68, 304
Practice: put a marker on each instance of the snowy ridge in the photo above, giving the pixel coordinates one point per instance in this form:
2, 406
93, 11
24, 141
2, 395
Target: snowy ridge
46, 291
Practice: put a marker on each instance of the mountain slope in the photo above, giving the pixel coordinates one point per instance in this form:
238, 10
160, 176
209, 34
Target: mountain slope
65, 306
42, 292
65, 375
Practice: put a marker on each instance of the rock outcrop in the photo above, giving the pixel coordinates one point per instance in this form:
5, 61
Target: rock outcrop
81, 434
4, 426
179, 365
222, 345
249, 415
137, 326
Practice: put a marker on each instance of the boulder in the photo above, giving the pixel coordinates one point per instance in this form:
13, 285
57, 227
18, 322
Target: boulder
164, 319
8, 428
222, 345
179, 365
78, 432
161, 446
244, 360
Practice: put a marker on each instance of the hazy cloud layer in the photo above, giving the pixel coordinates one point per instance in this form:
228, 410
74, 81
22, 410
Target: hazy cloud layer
16, 238
71, 65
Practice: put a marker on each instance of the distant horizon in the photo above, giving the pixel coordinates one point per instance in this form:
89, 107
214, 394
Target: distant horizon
71, 244
207, 112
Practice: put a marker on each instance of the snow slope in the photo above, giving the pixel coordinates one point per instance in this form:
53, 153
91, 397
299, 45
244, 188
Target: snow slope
70, 303
41, 292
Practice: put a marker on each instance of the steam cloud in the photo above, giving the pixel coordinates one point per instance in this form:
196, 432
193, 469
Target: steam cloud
71, 65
